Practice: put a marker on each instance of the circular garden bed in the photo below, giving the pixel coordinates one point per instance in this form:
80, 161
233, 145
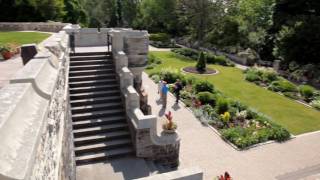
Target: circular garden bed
193, 70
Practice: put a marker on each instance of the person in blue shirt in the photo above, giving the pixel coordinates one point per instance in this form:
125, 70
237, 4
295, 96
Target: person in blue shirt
164, 91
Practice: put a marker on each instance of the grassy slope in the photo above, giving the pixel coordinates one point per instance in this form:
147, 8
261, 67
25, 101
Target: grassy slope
295, 117
22, 37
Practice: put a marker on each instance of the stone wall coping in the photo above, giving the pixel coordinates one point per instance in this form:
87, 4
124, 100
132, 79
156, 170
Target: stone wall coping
40, 74
193, 173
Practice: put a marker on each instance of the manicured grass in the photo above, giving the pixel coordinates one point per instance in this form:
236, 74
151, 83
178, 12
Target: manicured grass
22, 37
296, 117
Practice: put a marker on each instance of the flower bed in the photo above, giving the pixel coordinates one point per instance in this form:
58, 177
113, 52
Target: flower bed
268, 78
237, 123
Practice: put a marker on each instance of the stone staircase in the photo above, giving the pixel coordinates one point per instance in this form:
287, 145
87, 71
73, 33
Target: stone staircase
99, 123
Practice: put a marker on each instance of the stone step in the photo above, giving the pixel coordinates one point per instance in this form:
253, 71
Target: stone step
98, 114
102, 146
89, 53
92, 77
100, 129
86, 58
97, 100
92, 72
90, 62
92, 67
103, 156
103, 137
104, 93
92, 83
107, 87
98, 122
96, 107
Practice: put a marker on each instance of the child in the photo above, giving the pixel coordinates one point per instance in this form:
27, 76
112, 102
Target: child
177, 89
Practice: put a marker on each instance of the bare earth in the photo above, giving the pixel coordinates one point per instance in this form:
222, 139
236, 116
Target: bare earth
298, 158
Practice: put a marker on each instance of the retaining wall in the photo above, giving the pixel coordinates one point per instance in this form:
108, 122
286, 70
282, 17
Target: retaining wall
32, 26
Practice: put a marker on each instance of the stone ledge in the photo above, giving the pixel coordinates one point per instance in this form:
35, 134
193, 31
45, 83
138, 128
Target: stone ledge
193, 173
20, 129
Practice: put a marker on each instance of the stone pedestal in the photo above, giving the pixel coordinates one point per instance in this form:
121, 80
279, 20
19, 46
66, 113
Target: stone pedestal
28, 51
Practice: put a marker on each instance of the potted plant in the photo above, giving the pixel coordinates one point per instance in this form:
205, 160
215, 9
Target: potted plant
169, 126
5, 52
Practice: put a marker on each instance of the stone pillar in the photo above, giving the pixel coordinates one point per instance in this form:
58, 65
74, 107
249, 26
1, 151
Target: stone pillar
136, 44
276, 65
117, 41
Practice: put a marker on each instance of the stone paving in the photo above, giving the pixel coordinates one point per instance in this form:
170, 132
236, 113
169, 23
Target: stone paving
201, 147
8, 68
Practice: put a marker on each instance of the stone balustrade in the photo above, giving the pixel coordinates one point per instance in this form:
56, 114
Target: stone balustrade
36, 138
163, 148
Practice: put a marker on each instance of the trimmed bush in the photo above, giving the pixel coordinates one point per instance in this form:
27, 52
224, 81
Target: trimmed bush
283, 86
170, 75
269, 76
206, 98
306, 91
315, 104
163, 37
201, 64
252, 77
155, 78
222, 105
202, 86
187, 52
222, 60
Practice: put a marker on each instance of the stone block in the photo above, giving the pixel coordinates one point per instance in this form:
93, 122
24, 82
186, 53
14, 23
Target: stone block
28, 51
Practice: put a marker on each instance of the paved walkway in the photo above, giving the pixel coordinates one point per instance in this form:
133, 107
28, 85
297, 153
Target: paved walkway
8, 68
201, 147
152, 48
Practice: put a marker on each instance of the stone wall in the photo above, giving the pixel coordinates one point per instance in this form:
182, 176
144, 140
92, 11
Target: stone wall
32, 26
35, 130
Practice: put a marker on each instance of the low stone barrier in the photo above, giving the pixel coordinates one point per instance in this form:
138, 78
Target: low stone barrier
193, 173
36, 138
32, 26
163, 148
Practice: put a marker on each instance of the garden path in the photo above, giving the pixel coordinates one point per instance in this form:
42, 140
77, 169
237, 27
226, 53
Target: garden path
298, 158
8, 68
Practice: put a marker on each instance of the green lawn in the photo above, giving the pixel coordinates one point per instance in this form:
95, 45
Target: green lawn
22, 37
296, 117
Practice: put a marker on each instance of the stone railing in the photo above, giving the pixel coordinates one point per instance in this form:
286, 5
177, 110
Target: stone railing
32, 26
36, 136
161, 147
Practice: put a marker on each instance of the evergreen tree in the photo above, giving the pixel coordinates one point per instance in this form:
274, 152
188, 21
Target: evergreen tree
201, 64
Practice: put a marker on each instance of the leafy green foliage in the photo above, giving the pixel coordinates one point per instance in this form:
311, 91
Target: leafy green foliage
306, 91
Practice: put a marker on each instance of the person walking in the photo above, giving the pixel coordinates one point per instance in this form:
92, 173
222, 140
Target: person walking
165, 90
177, 89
